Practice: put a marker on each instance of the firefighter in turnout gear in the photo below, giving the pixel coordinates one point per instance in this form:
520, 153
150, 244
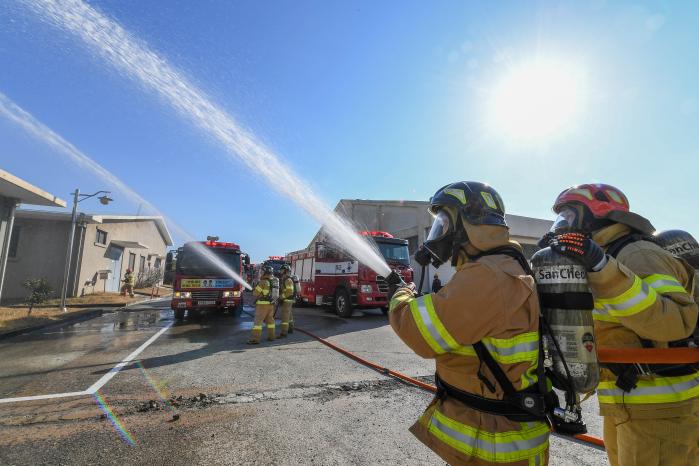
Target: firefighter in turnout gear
264, 307
643, 300
488, 310
129, 282
287, 296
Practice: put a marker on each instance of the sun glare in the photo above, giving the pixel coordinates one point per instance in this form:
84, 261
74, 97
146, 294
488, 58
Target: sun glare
536, 101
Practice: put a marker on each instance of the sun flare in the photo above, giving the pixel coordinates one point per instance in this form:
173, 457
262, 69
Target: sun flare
536, 100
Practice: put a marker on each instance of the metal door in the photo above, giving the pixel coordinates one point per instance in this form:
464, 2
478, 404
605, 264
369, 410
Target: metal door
115, 255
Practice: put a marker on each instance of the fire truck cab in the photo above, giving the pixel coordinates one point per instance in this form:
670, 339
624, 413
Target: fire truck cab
330, 277
202, 278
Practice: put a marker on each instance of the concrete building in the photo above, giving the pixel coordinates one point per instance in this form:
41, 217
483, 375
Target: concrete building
104, 247
410, 220
13, 192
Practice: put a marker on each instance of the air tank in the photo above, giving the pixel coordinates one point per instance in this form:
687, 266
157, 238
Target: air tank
681, 244
297, 286
567, 304
274, 292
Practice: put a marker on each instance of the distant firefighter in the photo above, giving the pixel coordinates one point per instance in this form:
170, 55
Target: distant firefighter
129, 282
264, 306
286, 300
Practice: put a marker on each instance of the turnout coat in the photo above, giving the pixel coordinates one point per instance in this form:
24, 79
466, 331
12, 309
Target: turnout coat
491, 300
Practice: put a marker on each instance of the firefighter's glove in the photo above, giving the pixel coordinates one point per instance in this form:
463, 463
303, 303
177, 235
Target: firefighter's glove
546, 240
581, 249
394, 281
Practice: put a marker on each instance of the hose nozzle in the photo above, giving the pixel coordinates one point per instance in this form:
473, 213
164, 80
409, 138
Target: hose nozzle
394, 281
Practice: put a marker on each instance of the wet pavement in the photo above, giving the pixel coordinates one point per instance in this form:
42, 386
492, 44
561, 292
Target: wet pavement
72, 358
198, 394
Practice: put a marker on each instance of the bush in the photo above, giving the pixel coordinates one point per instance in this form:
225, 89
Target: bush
149, 278
39, 291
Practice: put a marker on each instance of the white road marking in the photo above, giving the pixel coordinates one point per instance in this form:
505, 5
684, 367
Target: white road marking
101, 382
42, 397
115, 370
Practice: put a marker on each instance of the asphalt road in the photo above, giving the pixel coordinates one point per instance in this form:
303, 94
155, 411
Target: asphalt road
196, 394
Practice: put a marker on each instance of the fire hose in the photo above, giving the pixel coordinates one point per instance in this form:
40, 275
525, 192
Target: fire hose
583, 439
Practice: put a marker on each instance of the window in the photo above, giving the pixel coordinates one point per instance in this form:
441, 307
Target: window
158, 261
14, 242
101, 237
132, 260
142, 263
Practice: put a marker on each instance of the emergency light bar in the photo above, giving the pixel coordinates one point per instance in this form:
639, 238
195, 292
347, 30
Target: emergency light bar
276, 258
382, 234
220, 244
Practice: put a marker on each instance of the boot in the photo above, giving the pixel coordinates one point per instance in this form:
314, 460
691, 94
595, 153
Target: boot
285, 329
270, 333
256, 334
291, 326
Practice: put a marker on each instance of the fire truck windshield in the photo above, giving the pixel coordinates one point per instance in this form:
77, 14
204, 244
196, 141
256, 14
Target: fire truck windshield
275, 264
393, 252
190, 262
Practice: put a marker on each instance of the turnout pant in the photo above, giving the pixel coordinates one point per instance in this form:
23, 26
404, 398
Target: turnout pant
263, 313
127, 289
287, 316
652, 442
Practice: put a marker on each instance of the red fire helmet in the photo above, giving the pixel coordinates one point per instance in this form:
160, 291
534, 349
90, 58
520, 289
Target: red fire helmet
601, 199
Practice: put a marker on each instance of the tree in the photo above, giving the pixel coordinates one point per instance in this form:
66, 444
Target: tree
149, 278
39, 291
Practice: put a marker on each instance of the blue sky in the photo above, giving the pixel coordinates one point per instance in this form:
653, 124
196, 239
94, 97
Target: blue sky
373, 100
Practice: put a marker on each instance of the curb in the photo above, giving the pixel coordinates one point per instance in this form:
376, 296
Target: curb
142, 301
70, 306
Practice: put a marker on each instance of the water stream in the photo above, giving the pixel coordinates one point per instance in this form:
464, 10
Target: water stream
136, 60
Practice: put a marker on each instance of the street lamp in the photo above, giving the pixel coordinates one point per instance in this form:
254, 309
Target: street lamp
77, 197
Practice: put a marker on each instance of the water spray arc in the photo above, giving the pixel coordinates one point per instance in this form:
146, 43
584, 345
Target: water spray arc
35, 128
133, 58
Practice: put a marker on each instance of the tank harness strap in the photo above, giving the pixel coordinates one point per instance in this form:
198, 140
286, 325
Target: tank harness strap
530, 402
571, 300
615, 247
506, 407
628, 373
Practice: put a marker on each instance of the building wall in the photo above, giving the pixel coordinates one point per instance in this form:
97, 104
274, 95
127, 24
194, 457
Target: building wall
6, 212
41, 252
95, 255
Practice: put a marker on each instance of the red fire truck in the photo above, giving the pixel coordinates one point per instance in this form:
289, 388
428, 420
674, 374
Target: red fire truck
330, 277
200, 284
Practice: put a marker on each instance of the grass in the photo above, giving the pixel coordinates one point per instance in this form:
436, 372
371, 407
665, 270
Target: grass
12, 318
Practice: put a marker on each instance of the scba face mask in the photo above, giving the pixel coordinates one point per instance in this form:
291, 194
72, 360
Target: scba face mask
439, 245
569, 220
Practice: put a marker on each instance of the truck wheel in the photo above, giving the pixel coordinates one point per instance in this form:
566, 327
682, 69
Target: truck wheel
179, 314
343, 304
236, 311
384, 310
